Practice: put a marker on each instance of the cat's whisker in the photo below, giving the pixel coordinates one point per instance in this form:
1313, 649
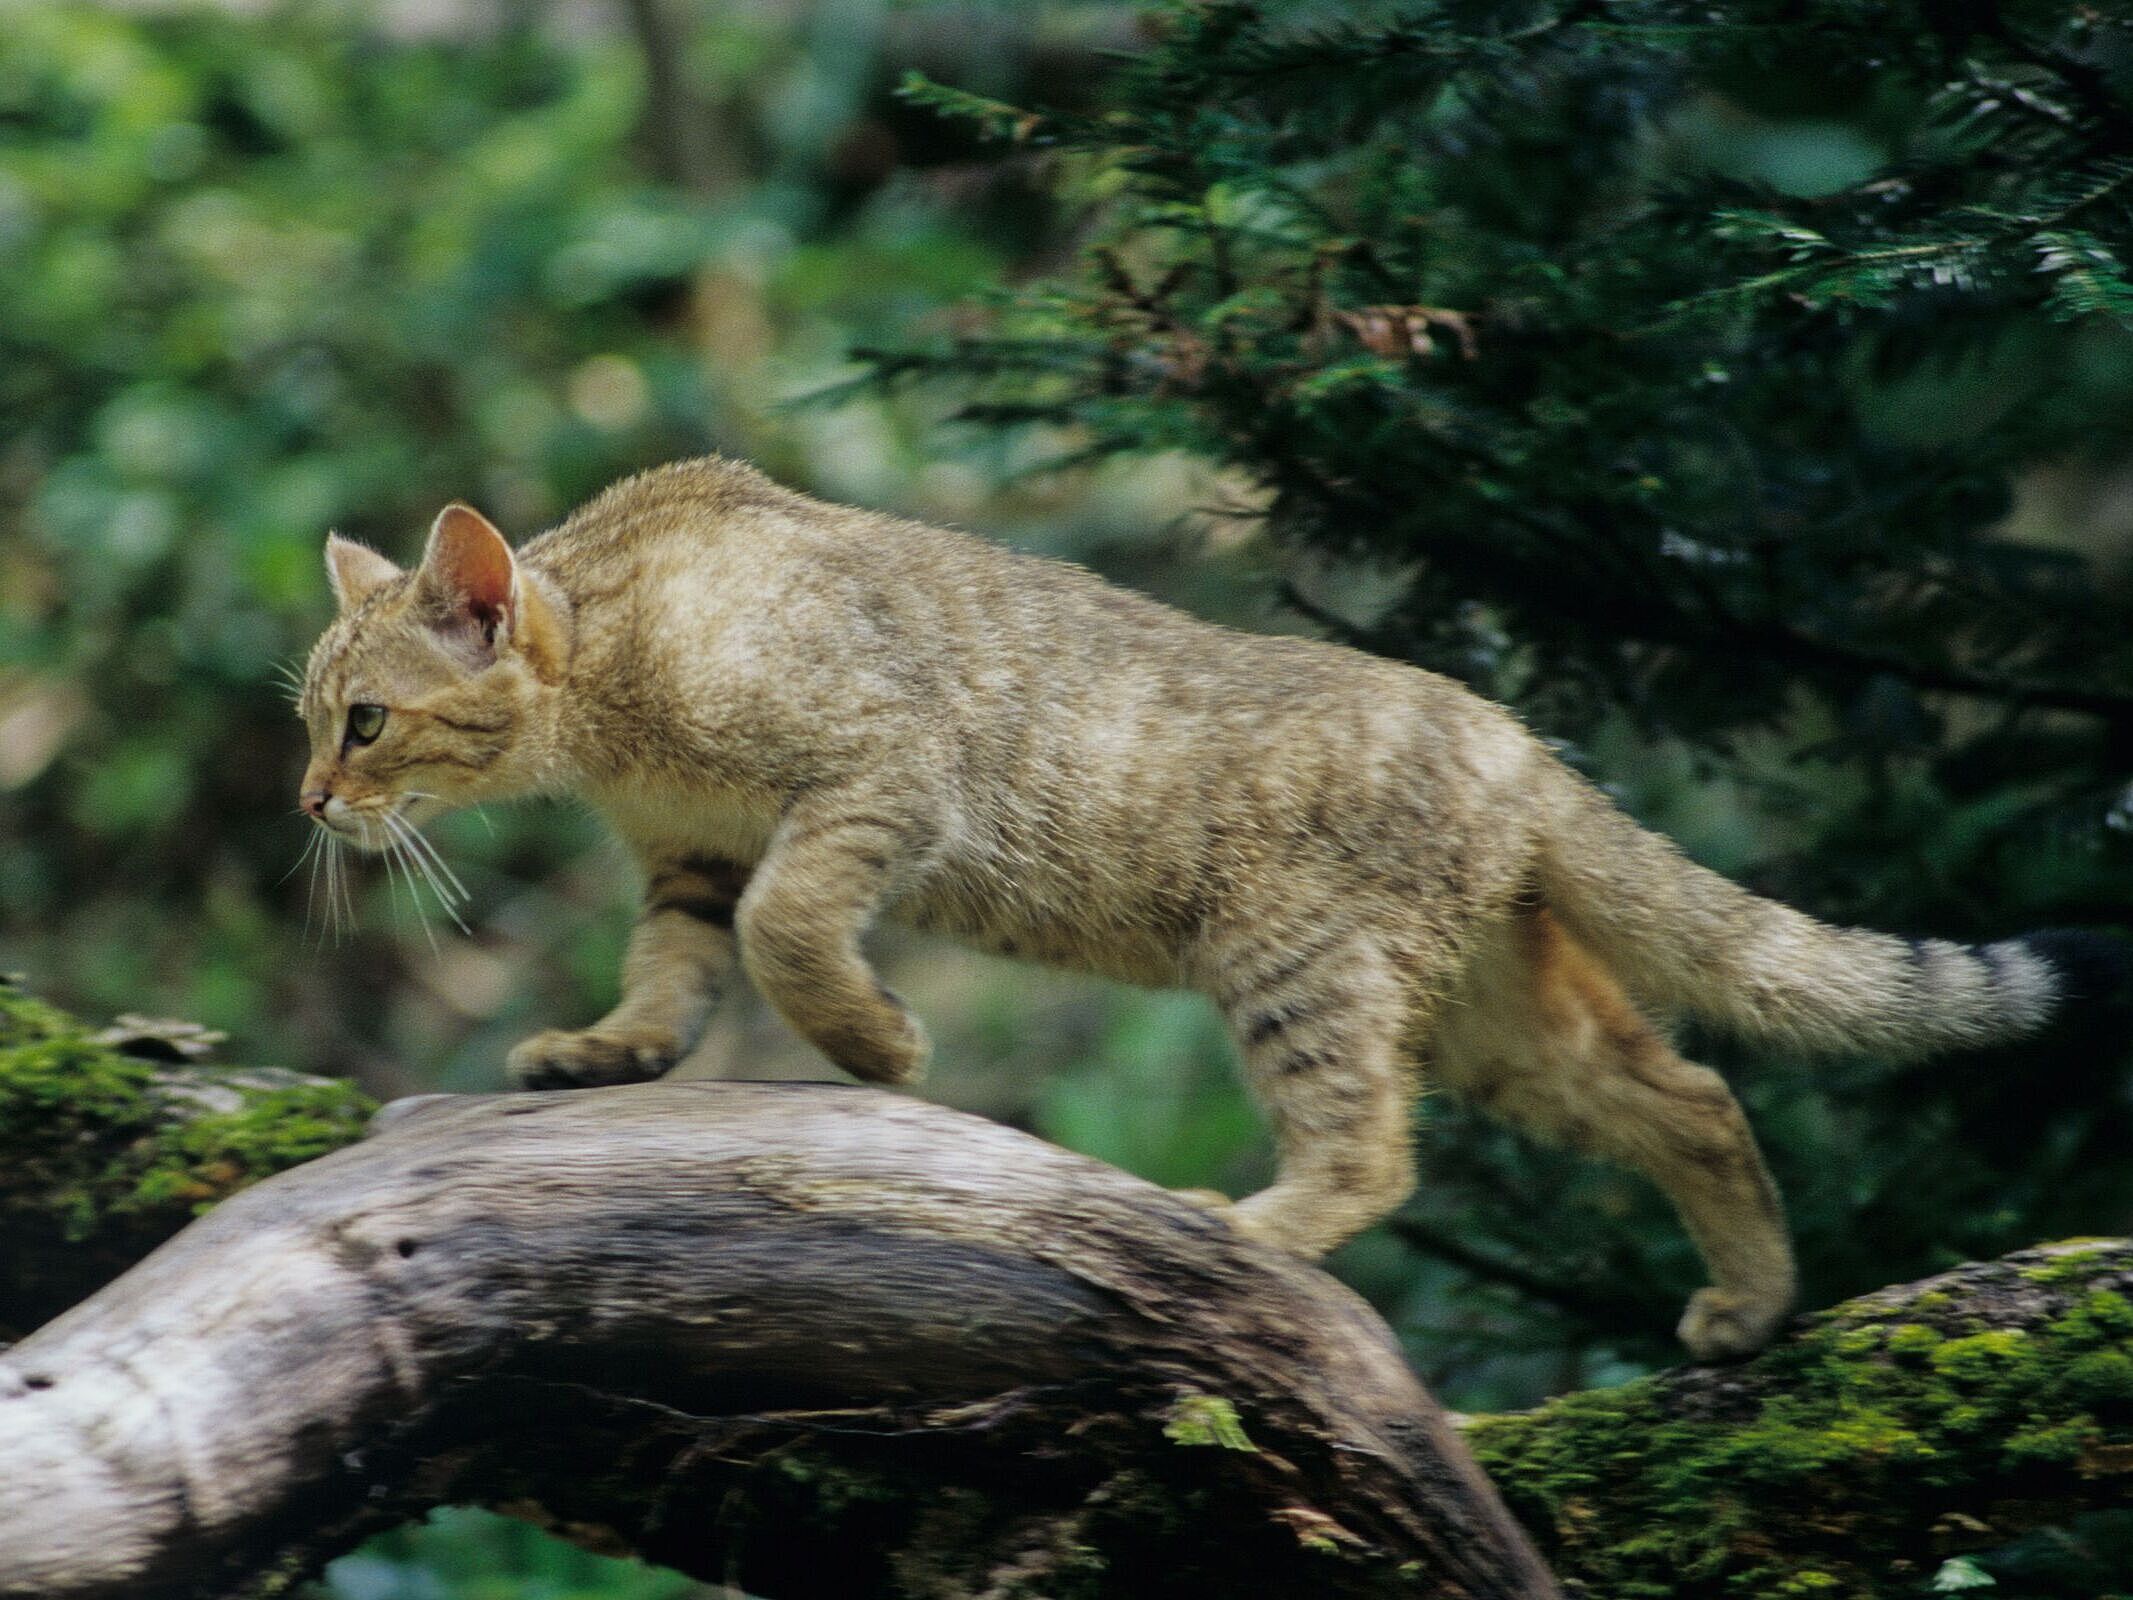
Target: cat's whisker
316, 850
330, 922
407, 840
312, 852
335, 890
324, 859
398, 867
429, 925
396, 851
428, 848
435, 867
479, 811
345, 920
391, 853
392, 878
309, 847
443, 882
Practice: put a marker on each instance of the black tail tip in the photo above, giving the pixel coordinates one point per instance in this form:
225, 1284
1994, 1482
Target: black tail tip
2095, 972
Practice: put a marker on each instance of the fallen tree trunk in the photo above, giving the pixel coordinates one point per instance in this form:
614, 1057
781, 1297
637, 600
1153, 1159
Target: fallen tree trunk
803, 1339
1872, 1443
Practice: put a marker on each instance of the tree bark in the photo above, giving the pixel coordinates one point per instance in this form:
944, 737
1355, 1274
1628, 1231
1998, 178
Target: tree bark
807, 1340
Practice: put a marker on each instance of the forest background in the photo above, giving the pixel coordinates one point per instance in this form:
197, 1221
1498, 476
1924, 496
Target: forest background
1749, 401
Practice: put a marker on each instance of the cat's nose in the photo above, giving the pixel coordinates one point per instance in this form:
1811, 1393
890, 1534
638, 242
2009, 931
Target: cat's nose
314, 802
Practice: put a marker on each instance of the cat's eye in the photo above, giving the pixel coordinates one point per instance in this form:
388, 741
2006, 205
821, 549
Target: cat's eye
365, 723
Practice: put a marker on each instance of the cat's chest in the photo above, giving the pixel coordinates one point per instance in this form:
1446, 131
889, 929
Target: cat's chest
702, 820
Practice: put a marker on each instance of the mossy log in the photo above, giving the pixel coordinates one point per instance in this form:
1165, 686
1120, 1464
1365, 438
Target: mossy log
1875, 1441
1854, 1457
112, 1139
805, 1339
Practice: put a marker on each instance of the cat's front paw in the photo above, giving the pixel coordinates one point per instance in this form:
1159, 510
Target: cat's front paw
587, 1059
890, 1047
1723, 1326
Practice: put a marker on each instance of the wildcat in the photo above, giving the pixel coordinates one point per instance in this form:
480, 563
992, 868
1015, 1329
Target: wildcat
802, 718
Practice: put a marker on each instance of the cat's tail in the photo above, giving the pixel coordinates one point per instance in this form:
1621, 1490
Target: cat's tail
1684, 939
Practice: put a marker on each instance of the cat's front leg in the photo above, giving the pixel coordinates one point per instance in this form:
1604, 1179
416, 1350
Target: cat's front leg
681, 955
831, 863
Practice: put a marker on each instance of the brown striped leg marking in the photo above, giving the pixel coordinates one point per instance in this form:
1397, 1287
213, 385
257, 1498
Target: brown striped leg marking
1321, 1022
681, 956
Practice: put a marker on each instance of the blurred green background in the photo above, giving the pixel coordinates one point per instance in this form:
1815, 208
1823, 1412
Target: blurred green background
269, 269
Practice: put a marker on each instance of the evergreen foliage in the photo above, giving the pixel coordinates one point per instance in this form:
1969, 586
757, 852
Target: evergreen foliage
1634, 323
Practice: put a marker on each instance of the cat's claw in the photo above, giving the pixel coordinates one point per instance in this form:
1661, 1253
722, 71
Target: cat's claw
587, 1059
1722, 1326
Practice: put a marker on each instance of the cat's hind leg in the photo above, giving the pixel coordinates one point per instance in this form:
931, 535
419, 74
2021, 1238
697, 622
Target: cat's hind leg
1545, 1038
1321, 1019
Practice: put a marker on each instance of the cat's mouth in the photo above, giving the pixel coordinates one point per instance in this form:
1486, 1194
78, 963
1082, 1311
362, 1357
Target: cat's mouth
374, 826
387, 827
353, 825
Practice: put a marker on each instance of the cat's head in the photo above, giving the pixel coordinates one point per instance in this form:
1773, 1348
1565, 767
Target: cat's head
432, 688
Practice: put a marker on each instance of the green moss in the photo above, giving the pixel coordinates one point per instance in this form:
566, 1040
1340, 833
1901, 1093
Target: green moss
1809, 1582
1858, 1341
1206, 1419
275, 1129
2102, 1317
2050, 1441
2070, 1260
1983, 1357
24, 1019
91, 1137
2101, 1380
1913, 1339
1829, 1459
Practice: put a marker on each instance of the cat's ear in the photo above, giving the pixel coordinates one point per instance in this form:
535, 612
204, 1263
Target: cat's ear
469, 572
355, 570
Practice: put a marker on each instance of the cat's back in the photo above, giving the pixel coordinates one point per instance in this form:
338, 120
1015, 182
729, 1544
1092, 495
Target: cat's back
717, 541
713, 546
837, 604
712, 517
642, 526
